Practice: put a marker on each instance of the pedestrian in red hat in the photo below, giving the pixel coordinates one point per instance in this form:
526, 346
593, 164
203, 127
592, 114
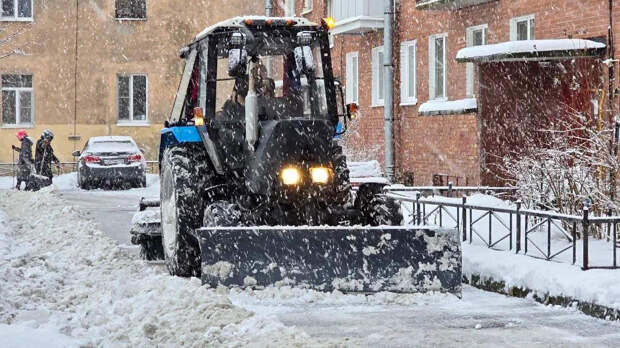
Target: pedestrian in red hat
25, 161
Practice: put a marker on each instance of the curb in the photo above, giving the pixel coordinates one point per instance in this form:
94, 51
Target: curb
500, 287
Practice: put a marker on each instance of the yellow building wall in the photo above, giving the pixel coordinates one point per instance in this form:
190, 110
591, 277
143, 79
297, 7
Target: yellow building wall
106, 47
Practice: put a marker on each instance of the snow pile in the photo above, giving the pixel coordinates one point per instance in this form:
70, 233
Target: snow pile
64, 281
369, 171
556, 279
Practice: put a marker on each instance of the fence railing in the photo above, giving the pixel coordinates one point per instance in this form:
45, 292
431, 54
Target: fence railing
8, 169
541, 234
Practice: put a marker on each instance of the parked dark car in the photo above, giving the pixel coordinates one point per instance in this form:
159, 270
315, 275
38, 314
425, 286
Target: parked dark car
111, 161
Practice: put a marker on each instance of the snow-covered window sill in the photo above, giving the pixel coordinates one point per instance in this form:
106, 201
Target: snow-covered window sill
14, 19
133, 124
444, 107
15, 126
131, 19
378, 105
410, 103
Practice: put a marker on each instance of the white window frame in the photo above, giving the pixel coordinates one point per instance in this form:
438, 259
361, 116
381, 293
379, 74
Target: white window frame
131, 121
406, 70
15, 18
290, 8
432, 94
352, 91
308, 6
530, 28
470, 69
18, 91
378, 76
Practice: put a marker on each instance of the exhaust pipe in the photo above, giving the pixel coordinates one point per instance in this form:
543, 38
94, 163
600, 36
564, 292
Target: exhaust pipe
251, 111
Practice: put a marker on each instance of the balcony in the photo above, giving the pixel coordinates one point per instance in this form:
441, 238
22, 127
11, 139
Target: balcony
356, 16
447, 4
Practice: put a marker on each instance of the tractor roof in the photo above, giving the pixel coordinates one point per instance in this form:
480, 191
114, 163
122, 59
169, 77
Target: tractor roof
240, 22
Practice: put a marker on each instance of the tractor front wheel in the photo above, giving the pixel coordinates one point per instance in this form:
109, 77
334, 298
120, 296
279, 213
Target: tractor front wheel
181, 210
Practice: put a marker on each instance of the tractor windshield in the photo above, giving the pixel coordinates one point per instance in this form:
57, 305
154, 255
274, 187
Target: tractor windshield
284, 69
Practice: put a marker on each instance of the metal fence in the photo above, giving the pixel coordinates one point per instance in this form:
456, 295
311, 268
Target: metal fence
531, 232
8, 169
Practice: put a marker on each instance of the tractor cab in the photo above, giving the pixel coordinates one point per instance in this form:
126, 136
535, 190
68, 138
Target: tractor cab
254, 69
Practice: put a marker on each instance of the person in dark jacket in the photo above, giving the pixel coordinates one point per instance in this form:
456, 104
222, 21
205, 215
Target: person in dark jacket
44, 155
25, 162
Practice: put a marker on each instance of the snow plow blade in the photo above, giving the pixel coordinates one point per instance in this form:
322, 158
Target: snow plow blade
349, 259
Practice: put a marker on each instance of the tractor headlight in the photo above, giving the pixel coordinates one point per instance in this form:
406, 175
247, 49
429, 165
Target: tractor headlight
320, 175
290, 176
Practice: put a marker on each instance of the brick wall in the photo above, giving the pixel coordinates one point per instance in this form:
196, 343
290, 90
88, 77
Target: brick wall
427, 145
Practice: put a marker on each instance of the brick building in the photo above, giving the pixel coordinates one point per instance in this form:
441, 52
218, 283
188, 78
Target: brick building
447, 124
104, 67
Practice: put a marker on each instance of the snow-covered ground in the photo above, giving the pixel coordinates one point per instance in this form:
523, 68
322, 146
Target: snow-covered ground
65, 282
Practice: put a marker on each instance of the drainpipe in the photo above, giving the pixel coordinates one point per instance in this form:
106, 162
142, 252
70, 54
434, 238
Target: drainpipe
268, 8
388, 83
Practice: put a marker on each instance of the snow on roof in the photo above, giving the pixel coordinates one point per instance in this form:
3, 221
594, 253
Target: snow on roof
444, 107
106, 139
531, 50
239, 22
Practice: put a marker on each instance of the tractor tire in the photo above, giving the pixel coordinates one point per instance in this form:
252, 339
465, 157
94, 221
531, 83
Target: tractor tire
151, 248
341, 174
182, 207
222, 214
376, 208
384, 211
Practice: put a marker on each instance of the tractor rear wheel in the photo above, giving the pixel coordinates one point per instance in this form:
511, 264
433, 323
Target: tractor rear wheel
376, 208
182, 207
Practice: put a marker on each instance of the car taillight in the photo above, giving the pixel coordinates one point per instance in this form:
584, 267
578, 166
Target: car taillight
92, 159
135, 158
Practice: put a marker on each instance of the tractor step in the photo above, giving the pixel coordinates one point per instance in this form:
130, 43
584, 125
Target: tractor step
351, 259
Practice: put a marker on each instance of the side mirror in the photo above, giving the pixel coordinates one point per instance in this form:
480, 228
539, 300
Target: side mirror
237, 62
76, 153
304, 60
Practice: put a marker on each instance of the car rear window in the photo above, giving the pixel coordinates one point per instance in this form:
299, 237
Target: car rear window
112, 147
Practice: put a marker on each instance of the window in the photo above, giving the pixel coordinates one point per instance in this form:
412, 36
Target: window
377, 76
17, 100
352, 88
132, 98
290, 8
131, 9
16, 10
437, 66
408, 78
522, 28
476, 36
308, 5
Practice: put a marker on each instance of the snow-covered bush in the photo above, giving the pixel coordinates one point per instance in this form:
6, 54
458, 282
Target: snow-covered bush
575, 169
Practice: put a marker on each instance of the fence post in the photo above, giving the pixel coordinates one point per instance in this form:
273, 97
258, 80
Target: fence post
464, 213
518, 216
417, 208
586, 225
450, 189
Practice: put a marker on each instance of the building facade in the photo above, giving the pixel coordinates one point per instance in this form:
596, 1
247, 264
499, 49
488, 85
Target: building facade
442, 130
102, 67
